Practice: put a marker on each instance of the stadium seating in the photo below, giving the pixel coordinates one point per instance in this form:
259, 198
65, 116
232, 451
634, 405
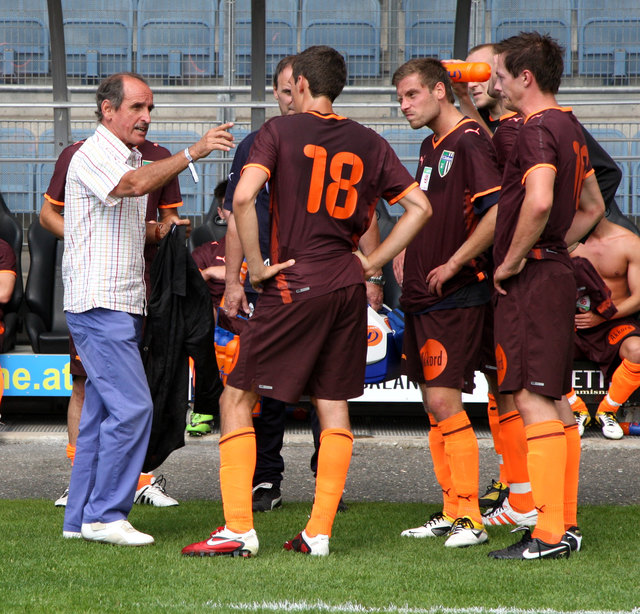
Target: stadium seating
281, 34
609, 38
353, 28
98, 37
44, 320
635, 175
616, 144
429, 28
11, 232
17, 178
176, 40
553, 17
24, 38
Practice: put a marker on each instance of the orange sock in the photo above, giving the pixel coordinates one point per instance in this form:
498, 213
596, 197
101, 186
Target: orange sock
571, 476
461, 448
515, 459
442, 471
71, 453
237, 465
577, 404
334, 456
547, 459
625, 381
494, 425
144, 480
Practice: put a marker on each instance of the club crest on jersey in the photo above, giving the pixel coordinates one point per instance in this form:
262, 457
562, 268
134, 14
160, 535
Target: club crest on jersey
446, 160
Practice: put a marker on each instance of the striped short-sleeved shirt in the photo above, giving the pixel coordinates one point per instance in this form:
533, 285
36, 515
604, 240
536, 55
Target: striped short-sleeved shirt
103, 263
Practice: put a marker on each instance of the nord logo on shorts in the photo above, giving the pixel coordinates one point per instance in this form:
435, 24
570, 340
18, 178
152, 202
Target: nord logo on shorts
434, 359
617, 333
374, 335
501, 363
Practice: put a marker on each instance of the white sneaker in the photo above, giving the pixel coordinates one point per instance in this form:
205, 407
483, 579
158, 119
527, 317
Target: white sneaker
119, 532
583, 419
505, 514
315, 546
610, 427
437, 526
154, 494
71, 534
225, 542
62, 501
464, 533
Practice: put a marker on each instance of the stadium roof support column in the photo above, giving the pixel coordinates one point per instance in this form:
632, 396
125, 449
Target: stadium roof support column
258, 63
461, 34
61, 123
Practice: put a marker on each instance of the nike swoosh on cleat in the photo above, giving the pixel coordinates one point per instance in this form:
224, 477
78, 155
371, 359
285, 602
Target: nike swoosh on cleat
527, 554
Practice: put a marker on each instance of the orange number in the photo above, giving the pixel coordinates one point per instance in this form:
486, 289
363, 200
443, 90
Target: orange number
582, 155
316, 186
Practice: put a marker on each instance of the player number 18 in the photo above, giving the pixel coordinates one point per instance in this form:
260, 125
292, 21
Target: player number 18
316, 186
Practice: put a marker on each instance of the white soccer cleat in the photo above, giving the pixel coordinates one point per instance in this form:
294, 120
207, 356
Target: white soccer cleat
506, 515
465, 533
437, 526
154, 494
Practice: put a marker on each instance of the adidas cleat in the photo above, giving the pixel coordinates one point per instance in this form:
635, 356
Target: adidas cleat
610, 427
529, 548
573, 536
315, 546
223, 542
495, 494
155, 494
505, 515
199, 425
437, 526
583, 420
464, 533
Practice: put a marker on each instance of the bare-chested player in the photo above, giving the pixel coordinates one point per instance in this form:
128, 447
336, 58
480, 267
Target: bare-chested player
614, 344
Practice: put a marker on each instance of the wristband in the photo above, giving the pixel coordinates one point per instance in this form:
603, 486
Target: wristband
378, 280
192, 168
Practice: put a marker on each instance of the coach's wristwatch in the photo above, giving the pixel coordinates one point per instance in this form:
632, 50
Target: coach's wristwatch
378, 280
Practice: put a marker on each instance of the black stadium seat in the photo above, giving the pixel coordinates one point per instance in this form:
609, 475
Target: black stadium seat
44, 320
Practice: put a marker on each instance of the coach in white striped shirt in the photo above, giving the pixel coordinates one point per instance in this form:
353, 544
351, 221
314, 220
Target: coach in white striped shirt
104, 301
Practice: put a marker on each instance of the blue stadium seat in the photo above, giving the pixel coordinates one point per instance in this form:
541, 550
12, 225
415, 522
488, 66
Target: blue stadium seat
553, 17
192, 193
281, 34
616, 144
429, 28
24, 38
406, 142
98, 37
176, 40
353, 28
609, 38
17, 178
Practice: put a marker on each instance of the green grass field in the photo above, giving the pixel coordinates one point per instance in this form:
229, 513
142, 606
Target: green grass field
370, 569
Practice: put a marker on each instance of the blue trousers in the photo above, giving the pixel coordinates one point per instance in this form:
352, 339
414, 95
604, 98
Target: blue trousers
116, 417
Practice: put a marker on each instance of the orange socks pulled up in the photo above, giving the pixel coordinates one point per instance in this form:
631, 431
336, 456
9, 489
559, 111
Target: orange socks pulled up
547, 461
461, 448
625, 381
577, 404
237, 465
494, 425
515, 460
334, 456
442, 471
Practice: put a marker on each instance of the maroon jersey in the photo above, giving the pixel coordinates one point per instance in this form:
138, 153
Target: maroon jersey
168, 196
550, 138
7, 265
505, 137
323, 199
211, 254
460, 176
593, 292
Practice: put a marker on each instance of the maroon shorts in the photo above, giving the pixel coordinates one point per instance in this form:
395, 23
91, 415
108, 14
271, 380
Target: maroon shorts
601, 344
487, 348
534, 325
316, 346
441, 348
75, 364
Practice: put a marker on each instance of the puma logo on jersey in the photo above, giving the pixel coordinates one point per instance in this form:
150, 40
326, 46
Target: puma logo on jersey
476, 130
